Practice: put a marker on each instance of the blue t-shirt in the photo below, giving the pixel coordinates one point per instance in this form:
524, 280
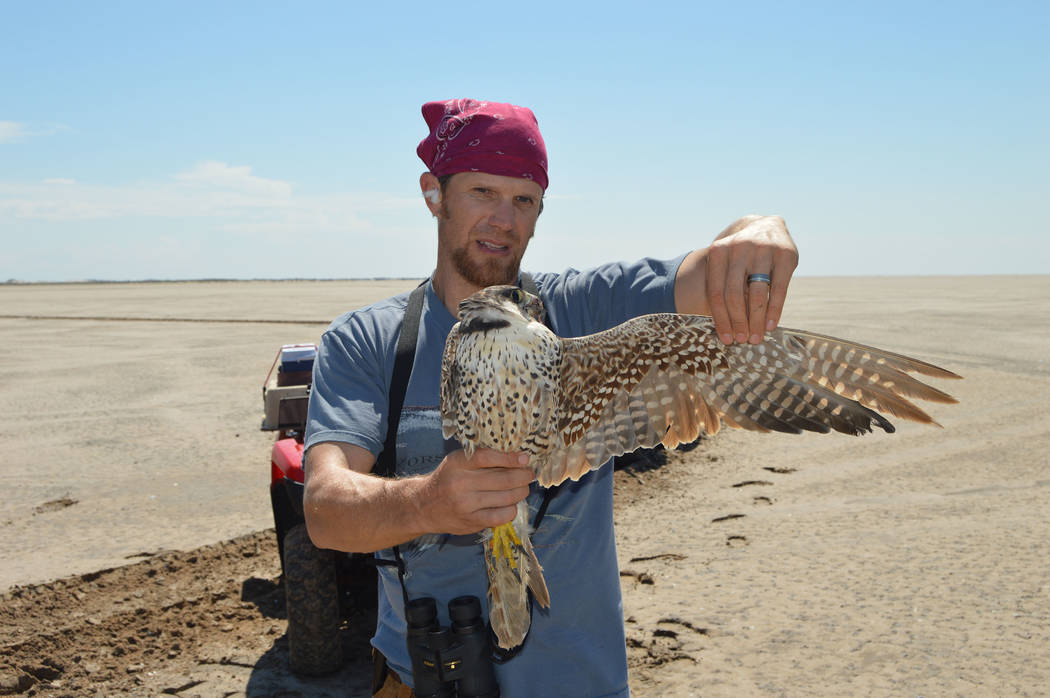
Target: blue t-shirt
577, 646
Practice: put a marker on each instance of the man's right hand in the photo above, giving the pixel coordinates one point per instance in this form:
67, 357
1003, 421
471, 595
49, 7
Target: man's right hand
347, 508
465, 495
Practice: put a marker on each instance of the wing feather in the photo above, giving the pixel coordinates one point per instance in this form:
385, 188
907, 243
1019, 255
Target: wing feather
667, 378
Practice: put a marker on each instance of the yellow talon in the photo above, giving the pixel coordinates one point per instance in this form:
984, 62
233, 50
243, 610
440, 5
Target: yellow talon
504, 537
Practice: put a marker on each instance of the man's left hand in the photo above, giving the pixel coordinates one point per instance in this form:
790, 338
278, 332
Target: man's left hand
714, 281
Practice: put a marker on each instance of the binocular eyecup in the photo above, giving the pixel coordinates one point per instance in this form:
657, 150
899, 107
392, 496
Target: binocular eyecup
454, 661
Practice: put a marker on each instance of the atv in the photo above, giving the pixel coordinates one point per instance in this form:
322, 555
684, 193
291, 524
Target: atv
322, 587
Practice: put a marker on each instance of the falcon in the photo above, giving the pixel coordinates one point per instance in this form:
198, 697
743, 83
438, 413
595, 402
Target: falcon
510, 384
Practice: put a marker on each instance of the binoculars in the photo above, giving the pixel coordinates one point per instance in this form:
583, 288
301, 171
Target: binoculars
454, 661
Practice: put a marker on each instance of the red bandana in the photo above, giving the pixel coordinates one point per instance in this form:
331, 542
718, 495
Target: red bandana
471, 136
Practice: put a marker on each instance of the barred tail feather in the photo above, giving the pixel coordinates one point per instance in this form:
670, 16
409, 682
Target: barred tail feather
510, 579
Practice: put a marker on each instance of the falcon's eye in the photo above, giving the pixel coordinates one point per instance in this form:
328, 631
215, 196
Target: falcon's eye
516, 295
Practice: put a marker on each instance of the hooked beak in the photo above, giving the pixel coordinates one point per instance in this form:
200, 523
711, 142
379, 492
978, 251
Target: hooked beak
534, 308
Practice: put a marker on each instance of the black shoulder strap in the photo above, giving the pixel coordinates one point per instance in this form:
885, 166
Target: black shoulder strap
404, 356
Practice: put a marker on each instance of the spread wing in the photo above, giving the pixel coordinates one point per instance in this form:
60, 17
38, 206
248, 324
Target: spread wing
665, 378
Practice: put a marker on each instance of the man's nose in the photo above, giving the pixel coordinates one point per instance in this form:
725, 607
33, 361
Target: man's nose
503, 215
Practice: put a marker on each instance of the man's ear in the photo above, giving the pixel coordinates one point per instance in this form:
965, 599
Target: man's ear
431, 188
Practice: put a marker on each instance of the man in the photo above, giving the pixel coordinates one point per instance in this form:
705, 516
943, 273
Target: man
485, 181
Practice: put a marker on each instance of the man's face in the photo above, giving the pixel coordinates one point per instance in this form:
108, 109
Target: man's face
485, 224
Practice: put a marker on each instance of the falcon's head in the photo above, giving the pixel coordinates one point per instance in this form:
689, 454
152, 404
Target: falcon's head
499, 306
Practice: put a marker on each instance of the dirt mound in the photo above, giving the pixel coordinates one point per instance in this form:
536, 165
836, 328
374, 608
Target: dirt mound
203, 622
206, 622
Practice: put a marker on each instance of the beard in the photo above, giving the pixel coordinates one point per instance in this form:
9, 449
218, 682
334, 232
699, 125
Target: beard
479, 273
492, 272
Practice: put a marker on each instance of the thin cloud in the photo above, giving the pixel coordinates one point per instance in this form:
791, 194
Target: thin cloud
224, 197
11, 131
220, 175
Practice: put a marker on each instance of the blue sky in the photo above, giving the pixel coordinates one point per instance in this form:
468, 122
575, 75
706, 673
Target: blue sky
271, 140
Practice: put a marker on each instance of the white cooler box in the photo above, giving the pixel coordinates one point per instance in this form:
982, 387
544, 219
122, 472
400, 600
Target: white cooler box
286, 392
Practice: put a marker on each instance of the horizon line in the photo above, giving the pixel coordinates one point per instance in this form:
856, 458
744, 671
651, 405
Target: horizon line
324, 279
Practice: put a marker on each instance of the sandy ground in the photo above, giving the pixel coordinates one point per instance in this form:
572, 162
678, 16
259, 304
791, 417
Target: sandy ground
907, 564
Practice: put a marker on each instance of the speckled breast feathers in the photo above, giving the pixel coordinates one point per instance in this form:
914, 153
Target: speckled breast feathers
500, 379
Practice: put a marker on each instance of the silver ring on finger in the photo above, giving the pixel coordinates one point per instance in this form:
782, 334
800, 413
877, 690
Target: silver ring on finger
761, 278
